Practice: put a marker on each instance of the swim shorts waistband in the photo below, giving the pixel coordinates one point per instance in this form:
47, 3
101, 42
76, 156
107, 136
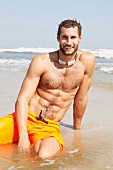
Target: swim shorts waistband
35, 116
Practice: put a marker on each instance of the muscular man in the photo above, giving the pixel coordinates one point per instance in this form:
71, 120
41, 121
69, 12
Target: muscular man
52, 82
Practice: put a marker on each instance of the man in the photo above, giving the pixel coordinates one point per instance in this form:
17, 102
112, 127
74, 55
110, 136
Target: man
52, 82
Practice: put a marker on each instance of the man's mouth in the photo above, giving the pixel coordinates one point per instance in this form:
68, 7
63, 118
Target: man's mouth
68, 48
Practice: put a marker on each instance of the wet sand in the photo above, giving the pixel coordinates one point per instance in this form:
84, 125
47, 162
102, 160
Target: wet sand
89, 148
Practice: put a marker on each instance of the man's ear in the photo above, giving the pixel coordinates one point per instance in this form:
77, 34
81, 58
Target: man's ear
80, 38
58, 38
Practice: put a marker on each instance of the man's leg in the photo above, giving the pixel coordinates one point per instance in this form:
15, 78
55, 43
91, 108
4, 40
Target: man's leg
8, 129
37, 146
47, 147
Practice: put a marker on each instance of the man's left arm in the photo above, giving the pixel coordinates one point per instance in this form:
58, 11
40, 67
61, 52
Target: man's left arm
81, 98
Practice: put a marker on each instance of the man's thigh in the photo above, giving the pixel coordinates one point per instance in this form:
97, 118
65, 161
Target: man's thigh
47, 147
8, 129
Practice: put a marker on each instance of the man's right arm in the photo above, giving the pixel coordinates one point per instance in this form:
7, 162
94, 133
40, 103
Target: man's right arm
81, 98
28, 88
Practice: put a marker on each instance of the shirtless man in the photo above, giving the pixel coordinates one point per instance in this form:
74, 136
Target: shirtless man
52, 82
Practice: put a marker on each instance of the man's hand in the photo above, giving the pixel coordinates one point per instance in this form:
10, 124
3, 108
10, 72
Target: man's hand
24, 144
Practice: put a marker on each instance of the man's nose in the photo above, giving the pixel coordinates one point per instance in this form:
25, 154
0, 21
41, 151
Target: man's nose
68, 41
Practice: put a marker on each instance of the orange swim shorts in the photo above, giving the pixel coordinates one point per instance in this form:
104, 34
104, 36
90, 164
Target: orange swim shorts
37, 129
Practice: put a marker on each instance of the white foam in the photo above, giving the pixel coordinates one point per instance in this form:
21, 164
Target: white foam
73, 151
14, 61
103, 53
47, 162
106, 69
33, 50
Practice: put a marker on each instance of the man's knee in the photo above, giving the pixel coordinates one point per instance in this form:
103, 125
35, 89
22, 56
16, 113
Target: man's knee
48, 147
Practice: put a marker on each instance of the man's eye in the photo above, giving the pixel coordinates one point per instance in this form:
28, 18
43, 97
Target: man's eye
73, 37
64, 37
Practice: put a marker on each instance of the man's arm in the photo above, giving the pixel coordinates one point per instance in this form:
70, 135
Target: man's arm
28, 88
81, 98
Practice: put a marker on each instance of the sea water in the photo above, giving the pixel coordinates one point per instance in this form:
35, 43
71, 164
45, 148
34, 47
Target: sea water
84, 150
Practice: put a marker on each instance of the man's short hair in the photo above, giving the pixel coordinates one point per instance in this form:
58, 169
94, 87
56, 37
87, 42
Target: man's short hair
69, 23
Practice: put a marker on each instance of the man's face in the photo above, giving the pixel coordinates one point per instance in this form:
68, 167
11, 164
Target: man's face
69, 40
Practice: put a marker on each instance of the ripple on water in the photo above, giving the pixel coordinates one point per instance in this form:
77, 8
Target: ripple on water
87, 149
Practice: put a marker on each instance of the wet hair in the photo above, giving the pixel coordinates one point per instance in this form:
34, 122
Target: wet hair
69, 23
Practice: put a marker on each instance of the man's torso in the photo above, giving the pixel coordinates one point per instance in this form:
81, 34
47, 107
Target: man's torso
57, 88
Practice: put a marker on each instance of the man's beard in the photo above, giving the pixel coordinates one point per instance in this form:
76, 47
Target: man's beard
68, 53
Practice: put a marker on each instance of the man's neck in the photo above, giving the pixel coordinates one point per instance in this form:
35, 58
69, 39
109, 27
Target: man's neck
66, 59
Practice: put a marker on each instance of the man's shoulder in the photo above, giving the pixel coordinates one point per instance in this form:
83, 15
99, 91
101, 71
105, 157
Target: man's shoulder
39, 61
88, 59
41, 57
45, 57
39, 64
86, 55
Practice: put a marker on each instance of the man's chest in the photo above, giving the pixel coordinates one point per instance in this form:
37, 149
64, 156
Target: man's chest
65, 78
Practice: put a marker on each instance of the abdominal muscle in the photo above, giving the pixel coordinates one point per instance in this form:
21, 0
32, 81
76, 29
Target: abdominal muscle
53, 103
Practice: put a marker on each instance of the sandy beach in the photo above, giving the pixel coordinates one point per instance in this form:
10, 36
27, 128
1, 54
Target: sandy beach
88, 148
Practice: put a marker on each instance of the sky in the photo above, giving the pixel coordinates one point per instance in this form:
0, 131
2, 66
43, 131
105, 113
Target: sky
34, 23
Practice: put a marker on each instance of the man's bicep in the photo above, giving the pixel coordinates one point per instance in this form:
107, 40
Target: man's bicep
84, 86
87, 79
30, 82
29, 86
27, 89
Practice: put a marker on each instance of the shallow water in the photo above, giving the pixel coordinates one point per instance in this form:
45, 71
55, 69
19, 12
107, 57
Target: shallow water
87, 149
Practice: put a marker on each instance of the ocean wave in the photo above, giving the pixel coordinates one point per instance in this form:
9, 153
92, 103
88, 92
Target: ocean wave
108, 70
101, 53
105, 69
32, 50
14, 61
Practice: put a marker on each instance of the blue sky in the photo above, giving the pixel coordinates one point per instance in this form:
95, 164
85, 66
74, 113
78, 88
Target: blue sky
34, 23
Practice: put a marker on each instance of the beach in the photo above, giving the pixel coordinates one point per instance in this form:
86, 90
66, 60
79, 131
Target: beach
90, 148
